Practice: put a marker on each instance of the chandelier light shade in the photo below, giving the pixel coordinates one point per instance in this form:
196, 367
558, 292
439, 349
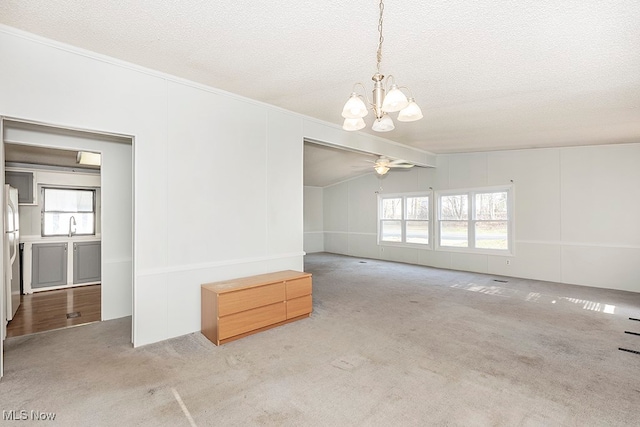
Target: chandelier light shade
383, 102
355, 108
394, 101
354, 124
383, 124
410, 113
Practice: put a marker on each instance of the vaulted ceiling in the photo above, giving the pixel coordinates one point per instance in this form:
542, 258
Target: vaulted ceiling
487, 74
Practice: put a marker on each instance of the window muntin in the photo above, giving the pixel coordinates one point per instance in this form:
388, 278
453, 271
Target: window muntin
475, 219
60, 204
404, 219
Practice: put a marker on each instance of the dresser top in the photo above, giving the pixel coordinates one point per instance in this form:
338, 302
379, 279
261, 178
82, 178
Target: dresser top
253, 281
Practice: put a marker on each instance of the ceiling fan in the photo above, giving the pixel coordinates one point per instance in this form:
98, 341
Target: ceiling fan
384, 164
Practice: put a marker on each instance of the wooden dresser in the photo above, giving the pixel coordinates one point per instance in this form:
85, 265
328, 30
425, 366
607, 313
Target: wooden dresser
235, 308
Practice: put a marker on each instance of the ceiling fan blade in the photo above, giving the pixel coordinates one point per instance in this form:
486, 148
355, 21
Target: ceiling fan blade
398, 161
404, 165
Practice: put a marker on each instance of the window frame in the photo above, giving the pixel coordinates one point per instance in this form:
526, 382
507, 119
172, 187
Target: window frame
43, 210
403, 221
472, 221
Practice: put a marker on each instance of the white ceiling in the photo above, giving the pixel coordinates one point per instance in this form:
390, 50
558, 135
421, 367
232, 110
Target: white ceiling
488, 74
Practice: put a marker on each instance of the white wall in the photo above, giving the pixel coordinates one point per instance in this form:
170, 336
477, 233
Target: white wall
212, 200
313, 220
576, 213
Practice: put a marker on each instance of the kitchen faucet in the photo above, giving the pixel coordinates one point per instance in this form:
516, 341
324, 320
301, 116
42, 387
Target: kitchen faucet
72, 220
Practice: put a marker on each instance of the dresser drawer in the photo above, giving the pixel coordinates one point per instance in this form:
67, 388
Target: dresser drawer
232, 309
298, 287
246, 299
246, 321
299, 306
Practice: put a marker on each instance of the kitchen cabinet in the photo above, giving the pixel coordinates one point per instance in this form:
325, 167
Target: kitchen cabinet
60, 263
236, 308
49, 265
86, 262
24, 182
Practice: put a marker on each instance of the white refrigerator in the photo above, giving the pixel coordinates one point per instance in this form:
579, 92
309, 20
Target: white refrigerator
11, 251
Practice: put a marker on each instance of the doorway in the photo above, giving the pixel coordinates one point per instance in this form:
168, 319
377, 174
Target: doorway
59, 237
117, 189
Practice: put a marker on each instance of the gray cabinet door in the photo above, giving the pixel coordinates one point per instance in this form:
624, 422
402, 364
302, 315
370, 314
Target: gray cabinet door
49, 265
86, 262
23, 181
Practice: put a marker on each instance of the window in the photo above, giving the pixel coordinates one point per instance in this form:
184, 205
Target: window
65, 210
475, 220
404, 219
391, 220
491, 221
454, 220
417, 219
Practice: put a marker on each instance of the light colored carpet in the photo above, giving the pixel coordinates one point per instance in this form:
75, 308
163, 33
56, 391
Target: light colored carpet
388, 344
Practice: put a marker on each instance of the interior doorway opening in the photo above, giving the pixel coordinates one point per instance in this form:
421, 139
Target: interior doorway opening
58, 229
110, 222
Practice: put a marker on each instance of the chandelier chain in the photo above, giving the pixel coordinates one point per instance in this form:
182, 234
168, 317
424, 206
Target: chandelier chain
379, 53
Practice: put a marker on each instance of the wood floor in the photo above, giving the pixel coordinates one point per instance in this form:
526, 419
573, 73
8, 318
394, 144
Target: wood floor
44, 311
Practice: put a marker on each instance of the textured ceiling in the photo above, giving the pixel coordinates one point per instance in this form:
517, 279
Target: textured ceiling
488, 74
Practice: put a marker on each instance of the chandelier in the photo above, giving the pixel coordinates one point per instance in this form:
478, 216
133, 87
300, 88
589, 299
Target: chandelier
395, 100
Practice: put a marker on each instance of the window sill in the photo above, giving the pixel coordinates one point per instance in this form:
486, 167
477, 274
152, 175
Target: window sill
498, 252
405, 245
494, 252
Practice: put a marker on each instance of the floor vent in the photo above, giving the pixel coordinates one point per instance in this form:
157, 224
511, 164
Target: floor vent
501, 281
362, 262
73, 315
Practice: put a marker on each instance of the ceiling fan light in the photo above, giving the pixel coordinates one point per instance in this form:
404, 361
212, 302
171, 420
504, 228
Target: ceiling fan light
395, 100
88, 158
353, 124
383, 124
381, 169
411, 112
354, 108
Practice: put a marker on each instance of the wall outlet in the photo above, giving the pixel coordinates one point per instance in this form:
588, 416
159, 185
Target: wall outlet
508, 262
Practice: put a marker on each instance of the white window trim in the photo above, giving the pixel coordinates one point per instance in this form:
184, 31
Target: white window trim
403, 244
471, 192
